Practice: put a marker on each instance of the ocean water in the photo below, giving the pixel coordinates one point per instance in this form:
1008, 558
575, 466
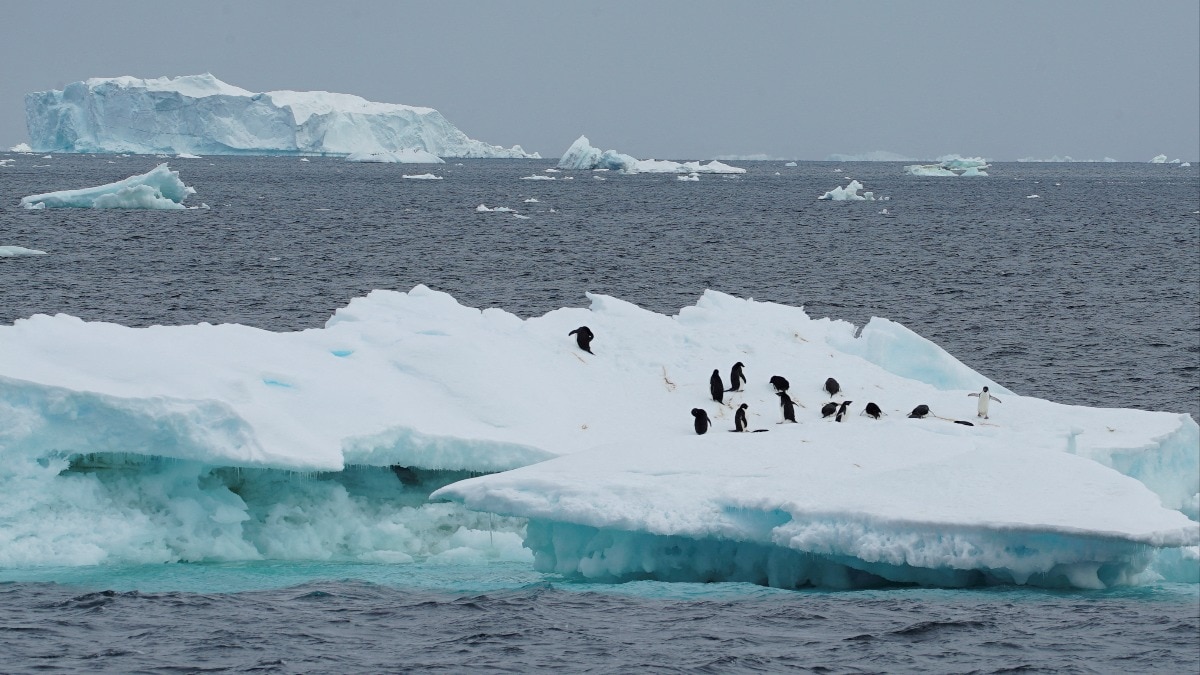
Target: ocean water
1088, 293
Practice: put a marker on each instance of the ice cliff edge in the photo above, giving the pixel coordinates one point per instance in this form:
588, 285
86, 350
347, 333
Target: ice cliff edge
201, 114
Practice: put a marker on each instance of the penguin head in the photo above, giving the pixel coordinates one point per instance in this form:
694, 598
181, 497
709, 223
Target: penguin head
985, 388
743, 406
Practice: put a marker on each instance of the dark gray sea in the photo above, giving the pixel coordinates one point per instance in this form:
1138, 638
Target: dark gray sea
1078, 283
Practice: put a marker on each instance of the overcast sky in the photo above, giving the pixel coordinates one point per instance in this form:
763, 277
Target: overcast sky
667, 79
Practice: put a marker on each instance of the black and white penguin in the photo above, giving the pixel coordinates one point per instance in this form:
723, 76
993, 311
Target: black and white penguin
984, 398
832, 386
872, 410
842, 410
583, 338
779, 383
739, 419
736, 377
701, 420
789, 410
919, 412
829, 409
715, 387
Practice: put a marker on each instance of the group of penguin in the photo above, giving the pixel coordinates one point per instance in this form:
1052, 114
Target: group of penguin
738, 378
716, 387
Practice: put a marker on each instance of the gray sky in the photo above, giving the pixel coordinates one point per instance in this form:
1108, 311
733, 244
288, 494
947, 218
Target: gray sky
669, 79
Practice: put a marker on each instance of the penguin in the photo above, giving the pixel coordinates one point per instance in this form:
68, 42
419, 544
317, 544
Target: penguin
872, 411
583, 338
842, 410
779, 383
832, 386
789, 411
829, 409
739, 418
701, 420
919, 412
984, 398
736, 377
715, 387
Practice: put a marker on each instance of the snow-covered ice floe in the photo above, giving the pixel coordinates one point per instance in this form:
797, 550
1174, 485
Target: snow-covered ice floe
582, 156
423, 176
228, 442
17, 251
159, 188
848, 193
201, 114
950, 165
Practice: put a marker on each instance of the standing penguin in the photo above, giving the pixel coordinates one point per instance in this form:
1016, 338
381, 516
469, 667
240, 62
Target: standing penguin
736, 377
701, 420
829, 409
583, 338
779, 383
789, 411
715, 387
872, 410
739, 418
832, 386
842, 410
984, 397
919, 412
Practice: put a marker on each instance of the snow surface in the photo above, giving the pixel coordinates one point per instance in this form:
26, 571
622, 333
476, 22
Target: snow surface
159, 188
581, 156
201, 114
184, 443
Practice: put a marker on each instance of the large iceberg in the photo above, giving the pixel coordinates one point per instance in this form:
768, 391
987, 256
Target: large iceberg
582, 156
158, 188
200, 114
228, 442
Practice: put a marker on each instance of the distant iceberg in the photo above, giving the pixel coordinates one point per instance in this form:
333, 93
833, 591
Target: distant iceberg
21, 147
950, 165
159, 188
581, 156
1162, 159
229, 442
199, 114
873, 156
1066, 159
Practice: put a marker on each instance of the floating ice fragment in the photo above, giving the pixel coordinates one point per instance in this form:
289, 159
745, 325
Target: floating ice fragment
159, 188
21, 147
16, 251
531, 200
790, 164
423, 176
1032, 196
689, 177
536, 177
848, 193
